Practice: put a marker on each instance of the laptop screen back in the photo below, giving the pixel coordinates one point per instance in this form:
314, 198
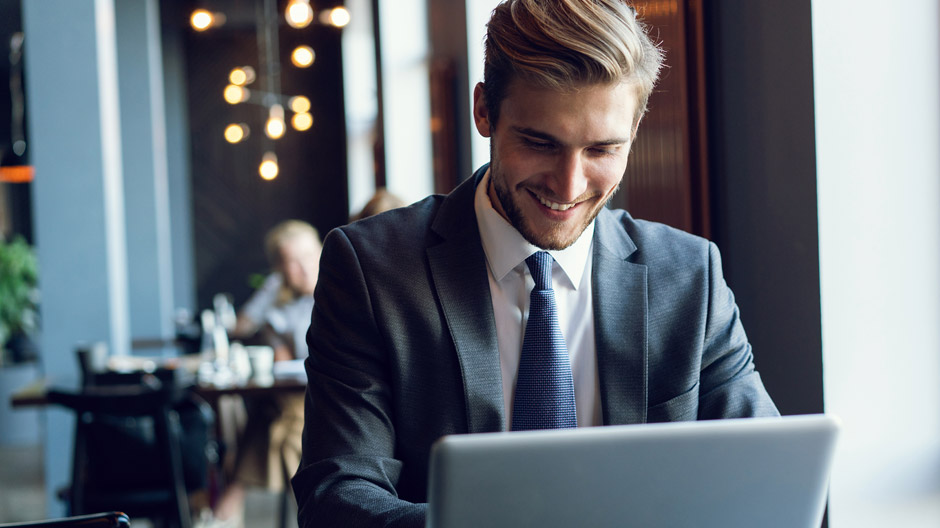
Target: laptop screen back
767, 472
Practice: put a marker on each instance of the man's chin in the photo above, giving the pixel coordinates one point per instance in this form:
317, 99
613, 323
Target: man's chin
552, 239
543, 233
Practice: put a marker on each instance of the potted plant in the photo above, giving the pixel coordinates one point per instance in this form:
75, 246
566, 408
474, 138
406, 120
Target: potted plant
19, 298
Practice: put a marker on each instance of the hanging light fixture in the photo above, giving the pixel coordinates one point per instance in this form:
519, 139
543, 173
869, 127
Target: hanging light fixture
268, 168
336, 17
242, 76
235, 94
299, 14
275, 127
202, 19
299, 104
237, 132
302, 121
303, 56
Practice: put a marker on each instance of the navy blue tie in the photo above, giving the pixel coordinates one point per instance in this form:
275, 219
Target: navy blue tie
544, 387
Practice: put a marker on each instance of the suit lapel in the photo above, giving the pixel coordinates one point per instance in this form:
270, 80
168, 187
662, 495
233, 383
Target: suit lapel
458, 269
620, 324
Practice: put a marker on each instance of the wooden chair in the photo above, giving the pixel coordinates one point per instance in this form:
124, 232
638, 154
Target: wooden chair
95, 520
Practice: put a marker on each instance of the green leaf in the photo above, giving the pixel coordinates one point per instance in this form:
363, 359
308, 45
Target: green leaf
19, 278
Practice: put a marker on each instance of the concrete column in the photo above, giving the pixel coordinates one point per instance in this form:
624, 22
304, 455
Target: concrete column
178, 173
144, 149
78, 197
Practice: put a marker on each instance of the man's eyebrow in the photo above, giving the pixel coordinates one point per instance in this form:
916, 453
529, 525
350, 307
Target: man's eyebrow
538, 134
531, 132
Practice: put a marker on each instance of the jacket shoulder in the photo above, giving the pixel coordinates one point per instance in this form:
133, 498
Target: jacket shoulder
655, 242
404, 224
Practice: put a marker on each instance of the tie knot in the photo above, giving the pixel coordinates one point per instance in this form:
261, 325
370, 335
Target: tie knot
540, 266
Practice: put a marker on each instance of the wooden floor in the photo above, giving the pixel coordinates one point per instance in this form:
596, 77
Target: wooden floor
22, 495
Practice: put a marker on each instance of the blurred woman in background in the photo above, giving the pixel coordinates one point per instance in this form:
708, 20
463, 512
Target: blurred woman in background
269, 448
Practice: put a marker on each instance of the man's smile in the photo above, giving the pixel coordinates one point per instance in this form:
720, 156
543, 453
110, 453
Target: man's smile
555, 206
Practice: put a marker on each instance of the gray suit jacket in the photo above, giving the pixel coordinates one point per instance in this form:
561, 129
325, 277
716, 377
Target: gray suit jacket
403, 349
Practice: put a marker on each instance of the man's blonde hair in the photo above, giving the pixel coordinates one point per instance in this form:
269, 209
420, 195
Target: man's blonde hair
563, 44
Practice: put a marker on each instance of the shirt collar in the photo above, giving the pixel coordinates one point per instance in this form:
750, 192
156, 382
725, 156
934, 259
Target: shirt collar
505, 247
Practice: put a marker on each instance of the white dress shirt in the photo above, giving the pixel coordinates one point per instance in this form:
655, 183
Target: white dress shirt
291, 321
510, 286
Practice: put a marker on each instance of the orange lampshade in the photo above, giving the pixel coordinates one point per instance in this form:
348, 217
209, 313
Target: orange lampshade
17, 174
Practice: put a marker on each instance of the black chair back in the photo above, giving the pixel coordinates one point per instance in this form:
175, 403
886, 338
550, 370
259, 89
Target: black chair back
127, 450
95, 520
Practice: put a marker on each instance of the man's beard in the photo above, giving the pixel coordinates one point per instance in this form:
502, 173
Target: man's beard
551, 239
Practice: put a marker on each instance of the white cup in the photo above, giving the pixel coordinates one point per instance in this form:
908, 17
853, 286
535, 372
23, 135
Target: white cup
261, 359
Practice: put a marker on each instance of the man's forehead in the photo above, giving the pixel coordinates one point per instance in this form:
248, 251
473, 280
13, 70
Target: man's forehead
536, 111
520, 91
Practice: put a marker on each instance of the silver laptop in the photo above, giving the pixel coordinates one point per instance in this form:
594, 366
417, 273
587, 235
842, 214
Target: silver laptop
766, 472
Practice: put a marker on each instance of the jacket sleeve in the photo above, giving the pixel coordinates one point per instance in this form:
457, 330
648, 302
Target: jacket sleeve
730, 385
349, 472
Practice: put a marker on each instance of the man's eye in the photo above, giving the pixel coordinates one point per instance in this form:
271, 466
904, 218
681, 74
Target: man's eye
604, 151
539, 145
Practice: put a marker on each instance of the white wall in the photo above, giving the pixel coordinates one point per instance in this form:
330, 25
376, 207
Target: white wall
361, 99
406, 98
478, 14
877, 91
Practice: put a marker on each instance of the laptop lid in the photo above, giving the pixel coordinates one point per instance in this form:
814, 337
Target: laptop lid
767, 472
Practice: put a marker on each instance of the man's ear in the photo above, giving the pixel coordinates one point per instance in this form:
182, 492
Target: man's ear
481, 116
636, 128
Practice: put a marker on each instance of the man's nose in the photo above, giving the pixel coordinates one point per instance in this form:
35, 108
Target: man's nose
569, 181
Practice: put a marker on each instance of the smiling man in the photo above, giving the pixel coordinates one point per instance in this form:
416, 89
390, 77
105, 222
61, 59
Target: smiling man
518, 301
556, 156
